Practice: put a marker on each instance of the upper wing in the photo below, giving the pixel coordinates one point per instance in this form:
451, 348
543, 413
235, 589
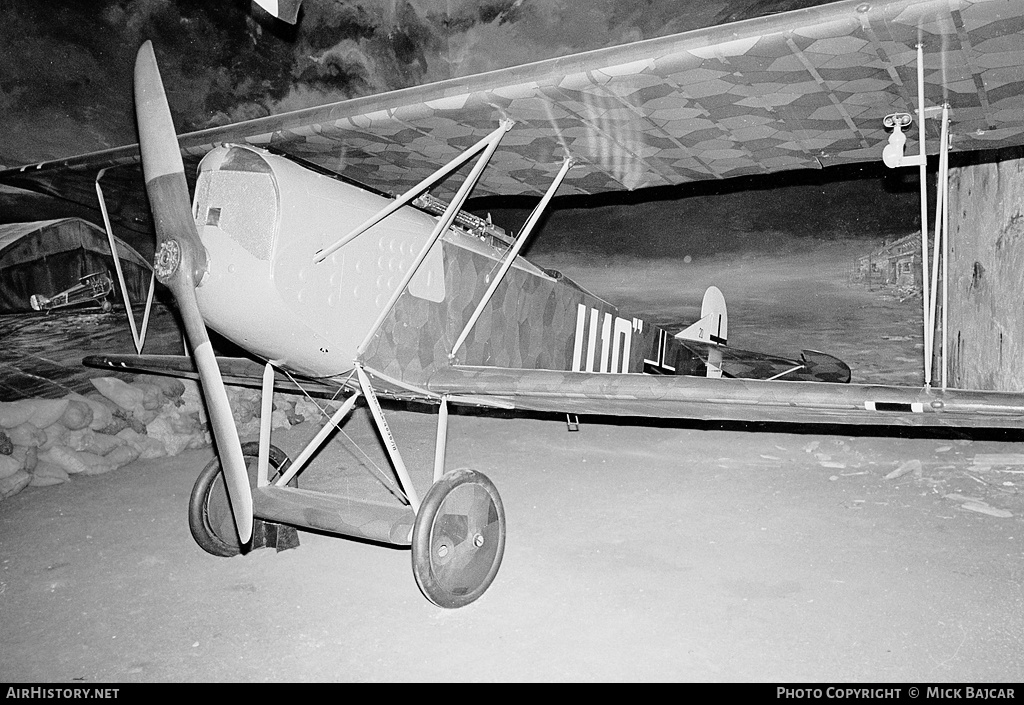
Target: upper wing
802, 89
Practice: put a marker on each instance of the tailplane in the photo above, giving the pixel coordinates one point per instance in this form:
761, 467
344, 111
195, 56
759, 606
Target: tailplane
713, 326
712, 329
707, 339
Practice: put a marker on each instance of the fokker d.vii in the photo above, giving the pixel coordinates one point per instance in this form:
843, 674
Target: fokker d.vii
92, 288
293, 247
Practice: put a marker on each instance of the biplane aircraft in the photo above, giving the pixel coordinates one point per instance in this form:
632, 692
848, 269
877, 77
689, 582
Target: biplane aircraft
293, 246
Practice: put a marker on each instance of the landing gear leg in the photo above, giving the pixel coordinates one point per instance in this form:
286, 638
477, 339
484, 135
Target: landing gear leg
458, 536
209, 509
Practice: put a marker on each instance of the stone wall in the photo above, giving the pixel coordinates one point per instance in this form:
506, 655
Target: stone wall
986, 271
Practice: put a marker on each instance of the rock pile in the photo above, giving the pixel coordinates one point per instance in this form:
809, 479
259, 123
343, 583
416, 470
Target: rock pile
45, 441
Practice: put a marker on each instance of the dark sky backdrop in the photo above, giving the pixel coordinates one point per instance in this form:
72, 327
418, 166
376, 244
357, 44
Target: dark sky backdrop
65, 88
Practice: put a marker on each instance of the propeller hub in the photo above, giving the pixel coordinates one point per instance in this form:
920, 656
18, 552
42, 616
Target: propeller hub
167, 260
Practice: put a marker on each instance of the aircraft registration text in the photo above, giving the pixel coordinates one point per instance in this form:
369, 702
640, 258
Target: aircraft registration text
603, 342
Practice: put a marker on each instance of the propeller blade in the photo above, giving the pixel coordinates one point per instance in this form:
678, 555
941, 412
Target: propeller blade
236, 477
176, 235
180, 265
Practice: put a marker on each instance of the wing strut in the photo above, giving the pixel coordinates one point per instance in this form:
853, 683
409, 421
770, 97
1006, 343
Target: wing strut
138, 338
487, 143
513, 253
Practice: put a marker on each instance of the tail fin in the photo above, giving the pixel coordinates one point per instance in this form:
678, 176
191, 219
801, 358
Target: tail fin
713, 327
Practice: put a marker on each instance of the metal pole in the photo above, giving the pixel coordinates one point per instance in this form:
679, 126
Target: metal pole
934, 282
923, 176
944, 185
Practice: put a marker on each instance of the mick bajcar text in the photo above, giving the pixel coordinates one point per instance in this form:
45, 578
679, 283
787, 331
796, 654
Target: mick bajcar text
930, 692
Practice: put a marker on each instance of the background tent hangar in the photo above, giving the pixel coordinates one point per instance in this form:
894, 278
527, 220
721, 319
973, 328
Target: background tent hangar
49, 256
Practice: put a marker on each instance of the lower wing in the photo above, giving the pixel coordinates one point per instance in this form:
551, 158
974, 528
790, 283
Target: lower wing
701, 398
654, 396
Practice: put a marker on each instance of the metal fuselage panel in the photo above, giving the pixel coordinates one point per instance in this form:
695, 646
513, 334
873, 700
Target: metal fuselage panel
239, 217
262, 219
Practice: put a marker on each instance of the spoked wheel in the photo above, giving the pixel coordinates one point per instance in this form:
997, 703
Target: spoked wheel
209, 511
458, 538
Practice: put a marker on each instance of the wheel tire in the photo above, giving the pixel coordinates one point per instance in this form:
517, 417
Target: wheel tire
209, 510
458, 539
